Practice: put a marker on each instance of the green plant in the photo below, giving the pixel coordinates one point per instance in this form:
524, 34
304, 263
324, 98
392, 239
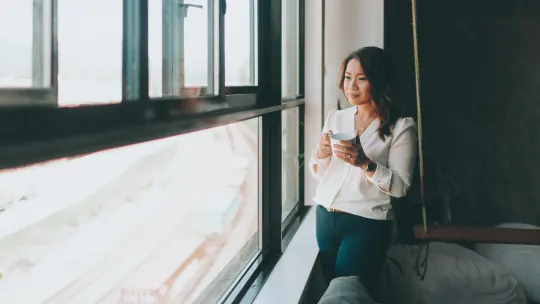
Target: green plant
301, 160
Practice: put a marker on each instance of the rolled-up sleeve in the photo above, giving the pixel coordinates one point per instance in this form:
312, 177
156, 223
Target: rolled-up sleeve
314, 161
322, 165
395, 180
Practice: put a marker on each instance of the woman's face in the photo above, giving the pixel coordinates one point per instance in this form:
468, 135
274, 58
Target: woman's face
355, 84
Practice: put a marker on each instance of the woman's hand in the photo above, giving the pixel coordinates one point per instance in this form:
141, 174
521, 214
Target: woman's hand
351, 153
325, 150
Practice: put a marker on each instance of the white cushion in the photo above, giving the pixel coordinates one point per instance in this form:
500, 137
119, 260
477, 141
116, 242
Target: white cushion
522, 261
346, 290
455, 275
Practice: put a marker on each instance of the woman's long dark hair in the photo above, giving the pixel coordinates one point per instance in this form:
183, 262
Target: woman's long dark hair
378, 70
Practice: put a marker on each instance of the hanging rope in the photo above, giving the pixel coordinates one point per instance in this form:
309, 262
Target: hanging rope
419, 113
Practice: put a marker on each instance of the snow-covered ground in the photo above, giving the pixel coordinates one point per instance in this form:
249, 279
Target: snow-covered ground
148, 223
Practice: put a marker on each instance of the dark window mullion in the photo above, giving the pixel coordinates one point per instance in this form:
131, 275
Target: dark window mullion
269, 43
135, 51
143, 51
301, 47
221, 46
269, 51
301, 118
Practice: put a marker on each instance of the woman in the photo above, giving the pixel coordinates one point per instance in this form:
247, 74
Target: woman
357, 181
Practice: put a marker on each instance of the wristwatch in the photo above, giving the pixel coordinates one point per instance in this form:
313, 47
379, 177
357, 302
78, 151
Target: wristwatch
371, 166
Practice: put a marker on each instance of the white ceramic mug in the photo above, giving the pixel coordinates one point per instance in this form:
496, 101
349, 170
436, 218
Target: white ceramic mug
335, 138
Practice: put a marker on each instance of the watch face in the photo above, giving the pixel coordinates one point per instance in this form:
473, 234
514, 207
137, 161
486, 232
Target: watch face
371, 166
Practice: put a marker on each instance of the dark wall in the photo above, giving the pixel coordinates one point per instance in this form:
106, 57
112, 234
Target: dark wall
480, 90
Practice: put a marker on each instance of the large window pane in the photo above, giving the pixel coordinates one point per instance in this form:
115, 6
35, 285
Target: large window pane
156, 222
290, 160
181, 47
290, 48
240, 42
89, 51
25, 43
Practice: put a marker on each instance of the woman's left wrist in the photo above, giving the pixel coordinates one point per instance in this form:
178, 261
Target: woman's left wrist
363, 165
369, 166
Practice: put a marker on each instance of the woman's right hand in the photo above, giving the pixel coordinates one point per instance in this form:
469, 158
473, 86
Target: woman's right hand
325, 150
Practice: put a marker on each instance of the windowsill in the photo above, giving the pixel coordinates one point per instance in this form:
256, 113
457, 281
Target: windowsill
290, 276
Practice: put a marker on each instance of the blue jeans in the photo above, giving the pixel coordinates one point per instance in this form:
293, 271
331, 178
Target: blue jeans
352, 245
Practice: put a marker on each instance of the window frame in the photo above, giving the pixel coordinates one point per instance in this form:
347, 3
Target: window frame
291, 19
253, 54
294, 218
301, 50
171, 46
40, 94
33, 135
291, 219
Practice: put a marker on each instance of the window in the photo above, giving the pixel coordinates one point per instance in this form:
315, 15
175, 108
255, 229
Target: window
25, 55
89, 59
290, 161
90, 52
240, 42
186, 211
181, 47
156, 221
290, 48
